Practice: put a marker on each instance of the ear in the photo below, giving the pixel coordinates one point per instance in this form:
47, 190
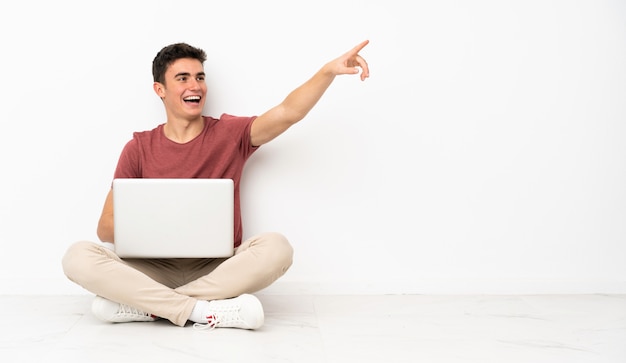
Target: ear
159, 89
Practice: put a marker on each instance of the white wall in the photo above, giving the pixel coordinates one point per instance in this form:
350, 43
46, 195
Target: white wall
484, 155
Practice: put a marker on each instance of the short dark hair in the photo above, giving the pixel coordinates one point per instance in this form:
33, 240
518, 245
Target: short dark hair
171, 53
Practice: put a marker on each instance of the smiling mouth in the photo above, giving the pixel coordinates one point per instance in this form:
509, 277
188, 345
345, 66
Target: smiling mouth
192, 99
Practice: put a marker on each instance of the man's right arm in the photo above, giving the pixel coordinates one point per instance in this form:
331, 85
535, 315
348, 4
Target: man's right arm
105, 224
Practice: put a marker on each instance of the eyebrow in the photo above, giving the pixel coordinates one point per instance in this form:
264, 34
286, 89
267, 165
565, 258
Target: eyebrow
188, 74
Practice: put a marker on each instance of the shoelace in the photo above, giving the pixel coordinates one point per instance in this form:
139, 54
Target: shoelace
225, 317
129, 311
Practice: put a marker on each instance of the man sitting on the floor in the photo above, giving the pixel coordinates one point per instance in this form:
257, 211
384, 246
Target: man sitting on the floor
208, 292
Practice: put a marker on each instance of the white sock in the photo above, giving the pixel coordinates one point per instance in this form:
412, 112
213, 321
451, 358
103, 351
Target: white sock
199, 312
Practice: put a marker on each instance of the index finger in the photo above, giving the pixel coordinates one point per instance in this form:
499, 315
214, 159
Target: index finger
358, 48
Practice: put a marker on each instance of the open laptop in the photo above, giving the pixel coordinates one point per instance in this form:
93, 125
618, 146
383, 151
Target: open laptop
173, 218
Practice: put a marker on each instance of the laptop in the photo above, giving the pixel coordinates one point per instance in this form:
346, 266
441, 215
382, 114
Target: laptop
173, 218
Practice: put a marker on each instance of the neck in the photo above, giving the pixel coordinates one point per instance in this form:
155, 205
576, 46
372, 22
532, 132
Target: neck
183, 131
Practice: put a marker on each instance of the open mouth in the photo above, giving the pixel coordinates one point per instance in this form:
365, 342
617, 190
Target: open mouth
192, 99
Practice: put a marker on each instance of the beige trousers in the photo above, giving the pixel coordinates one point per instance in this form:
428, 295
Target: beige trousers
169, 288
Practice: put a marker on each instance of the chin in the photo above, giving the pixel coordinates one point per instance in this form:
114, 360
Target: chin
195, 113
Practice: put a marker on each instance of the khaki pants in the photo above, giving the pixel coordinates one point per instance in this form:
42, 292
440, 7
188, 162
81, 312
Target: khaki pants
169, 288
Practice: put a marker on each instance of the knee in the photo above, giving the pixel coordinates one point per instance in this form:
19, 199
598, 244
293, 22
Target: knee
281, 249
76, 258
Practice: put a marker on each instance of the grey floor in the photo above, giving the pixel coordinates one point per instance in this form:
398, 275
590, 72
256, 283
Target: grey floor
328, 328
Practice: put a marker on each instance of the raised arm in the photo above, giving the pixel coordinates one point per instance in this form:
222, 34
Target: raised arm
301, 100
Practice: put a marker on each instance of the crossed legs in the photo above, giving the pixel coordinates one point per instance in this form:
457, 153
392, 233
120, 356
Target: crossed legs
170, 288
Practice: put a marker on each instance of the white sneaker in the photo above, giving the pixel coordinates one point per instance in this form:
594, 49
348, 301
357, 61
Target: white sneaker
243, 312
113, 312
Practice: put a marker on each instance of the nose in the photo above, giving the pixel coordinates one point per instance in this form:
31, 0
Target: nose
194, 84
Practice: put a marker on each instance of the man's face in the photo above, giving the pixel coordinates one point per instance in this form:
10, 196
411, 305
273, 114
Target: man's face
184, 90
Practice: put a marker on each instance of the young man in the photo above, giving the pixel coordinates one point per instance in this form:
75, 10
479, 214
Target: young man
208, 292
